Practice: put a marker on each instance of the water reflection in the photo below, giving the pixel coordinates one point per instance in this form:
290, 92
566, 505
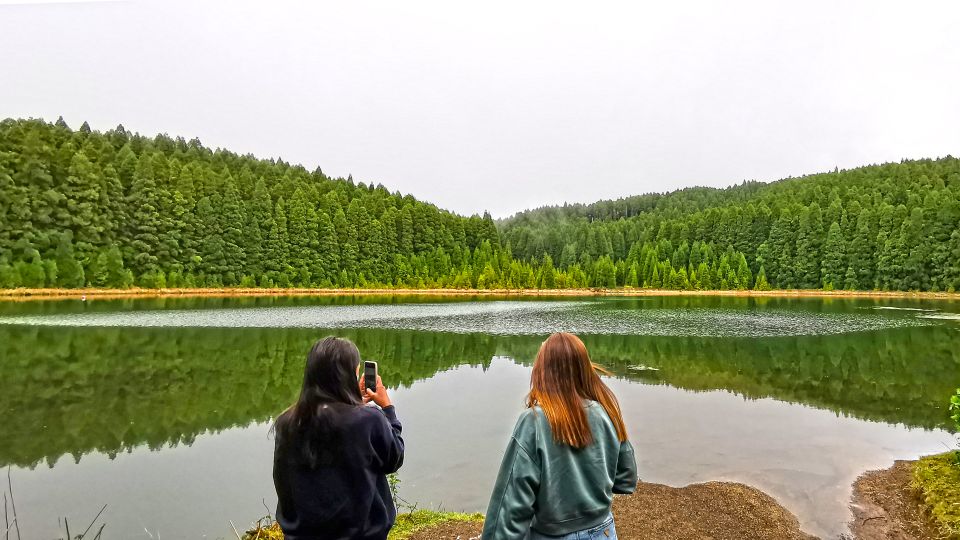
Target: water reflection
76, 390
168, 424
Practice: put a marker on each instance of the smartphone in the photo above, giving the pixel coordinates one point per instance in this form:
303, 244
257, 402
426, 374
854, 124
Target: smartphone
370, 375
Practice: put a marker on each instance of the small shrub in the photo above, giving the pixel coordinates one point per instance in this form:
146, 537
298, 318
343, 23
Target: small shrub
937, 479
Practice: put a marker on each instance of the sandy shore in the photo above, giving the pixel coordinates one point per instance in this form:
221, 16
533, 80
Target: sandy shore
34, 294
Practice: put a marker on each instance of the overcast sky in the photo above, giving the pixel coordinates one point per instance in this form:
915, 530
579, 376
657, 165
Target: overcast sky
505, 106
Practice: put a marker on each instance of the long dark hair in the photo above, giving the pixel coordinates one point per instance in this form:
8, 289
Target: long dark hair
308, 428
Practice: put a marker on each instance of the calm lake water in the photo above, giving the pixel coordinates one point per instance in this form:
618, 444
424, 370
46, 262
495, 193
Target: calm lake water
161, 408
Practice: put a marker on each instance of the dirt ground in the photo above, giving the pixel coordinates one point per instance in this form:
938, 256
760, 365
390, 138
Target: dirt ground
709, 511
885, 508
450, 531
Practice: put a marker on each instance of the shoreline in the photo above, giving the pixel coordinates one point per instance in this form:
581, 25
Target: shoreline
884, 504
717, 510
23, 294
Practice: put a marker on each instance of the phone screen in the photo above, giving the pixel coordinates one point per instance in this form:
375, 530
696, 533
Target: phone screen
370, 375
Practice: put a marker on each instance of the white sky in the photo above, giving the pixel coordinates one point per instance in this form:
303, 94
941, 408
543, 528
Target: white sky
502, 106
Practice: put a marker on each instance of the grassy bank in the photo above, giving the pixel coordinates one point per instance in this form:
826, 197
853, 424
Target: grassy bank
31, 294
407, 524
937, 479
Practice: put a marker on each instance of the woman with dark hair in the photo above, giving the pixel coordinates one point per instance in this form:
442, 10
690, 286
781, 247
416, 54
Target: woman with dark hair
568, 455
332, 453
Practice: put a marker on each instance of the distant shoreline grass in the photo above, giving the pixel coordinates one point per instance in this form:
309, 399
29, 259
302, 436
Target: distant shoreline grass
39, 294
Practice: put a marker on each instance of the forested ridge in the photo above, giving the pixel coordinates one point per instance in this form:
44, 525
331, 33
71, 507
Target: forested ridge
117, 209
890, 227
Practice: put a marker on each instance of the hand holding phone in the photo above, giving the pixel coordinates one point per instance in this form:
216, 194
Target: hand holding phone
372, 387
370, 374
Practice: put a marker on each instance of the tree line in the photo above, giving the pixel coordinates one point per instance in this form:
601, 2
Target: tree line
889, 227
118, 209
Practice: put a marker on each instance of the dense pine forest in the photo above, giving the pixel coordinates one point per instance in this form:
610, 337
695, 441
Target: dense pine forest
887, 227
117, 209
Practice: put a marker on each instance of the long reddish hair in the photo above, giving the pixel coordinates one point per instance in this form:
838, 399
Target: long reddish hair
563, 376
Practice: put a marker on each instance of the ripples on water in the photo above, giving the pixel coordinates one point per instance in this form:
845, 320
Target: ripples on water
503, 318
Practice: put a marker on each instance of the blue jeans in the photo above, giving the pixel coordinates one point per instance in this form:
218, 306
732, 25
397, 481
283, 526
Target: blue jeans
604, 531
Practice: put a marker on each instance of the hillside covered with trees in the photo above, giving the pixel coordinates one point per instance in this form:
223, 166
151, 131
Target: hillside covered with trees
889, 227
116, 209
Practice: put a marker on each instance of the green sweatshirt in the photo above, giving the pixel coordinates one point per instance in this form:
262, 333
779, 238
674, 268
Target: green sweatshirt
554, 488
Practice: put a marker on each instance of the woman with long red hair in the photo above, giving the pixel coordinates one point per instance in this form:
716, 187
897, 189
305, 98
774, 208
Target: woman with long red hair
568, 455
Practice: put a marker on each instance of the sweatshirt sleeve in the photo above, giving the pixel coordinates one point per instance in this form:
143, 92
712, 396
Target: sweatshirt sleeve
388, 444
511, 506
626, 479
281, 480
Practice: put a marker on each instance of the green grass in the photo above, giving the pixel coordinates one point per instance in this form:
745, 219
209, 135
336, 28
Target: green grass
407, 524
937, 478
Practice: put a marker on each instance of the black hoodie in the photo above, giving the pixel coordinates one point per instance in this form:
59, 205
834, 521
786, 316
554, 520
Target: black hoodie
346, 495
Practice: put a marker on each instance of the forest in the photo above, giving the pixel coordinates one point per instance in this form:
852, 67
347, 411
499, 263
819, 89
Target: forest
83, 208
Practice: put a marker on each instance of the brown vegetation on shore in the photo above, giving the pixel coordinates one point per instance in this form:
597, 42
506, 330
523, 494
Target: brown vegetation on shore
885, 506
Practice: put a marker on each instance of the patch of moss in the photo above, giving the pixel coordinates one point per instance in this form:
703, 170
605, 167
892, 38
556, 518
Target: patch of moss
937, 478
412, 522
406, 524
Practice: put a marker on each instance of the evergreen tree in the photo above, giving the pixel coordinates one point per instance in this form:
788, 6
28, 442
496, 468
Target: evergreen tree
9, 275
761, 284
347, 240
861, 250
850, 279
277, 242
111, 272
328, 249
82, 201
808, 247
145, 218
834, 262
606, 273
916, 275
31, 271
547, 277
70, 272
232, 221
633, 278
213, 263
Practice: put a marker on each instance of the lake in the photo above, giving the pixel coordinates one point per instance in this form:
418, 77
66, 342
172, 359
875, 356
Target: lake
161, 408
